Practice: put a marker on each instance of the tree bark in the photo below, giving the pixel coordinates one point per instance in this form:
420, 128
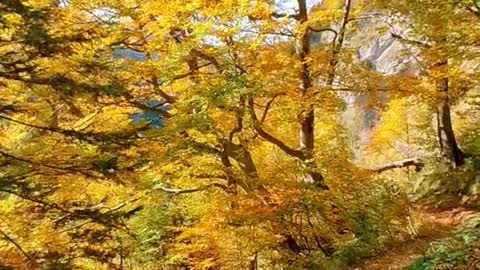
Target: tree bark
446, 136
307, 119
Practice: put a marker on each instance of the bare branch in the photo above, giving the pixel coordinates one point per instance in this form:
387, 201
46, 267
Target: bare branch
156, 87
412, 42
417, 162
302, 10
352, 90
190, 72
96, 210
31, 125
207, 57
325, 30
238, 127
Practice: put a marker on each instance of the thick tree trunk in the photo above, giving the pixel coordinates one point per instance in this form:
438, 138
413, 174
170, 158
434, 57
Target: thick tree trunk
307, 119
249, 181
446, 136
307, 133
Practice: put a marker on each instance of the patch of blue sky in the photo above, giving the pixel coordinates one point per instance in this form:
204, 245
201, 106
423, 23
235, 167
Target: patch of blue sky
127, 53
154, 118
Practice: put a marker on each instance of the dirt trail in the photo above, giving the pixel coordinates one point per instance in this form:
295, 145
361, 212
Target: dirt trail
398, 256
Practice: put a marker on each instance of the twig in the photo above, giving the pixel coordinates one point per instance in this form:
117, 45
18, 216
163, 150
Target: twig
9, 239
177, 191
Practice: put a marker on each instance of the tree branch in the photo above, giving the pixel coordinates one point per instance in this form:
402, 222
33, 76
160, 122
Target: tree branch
90, 137
270, 138
93, 214
167, 97
281, 15
412, 42
352, 90
239, 116
131, 99
177, 191
475, 12
338, 46
191, 71
325, 30
370, 16
65, 169
477, 5
277, 15
11, 240
46, 204
207, 57
267, 107
417, 162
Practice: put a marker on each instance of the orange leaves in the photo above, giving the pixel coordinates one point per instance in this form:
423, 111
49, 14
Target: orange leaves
16, 261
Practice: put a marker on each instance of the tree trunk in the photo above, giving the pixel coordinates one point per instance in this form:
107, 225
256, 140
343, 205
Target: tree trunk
254, 262
249, 181
446, 136
307, 118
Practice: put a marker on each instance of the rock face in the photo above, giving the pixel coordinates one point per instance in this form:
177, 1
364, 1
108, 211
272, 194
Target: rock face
385, 54
380, 51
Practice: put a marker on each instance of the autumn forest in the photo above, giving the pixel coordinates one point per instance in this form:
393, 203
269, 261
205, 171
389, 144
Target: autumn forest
239, 134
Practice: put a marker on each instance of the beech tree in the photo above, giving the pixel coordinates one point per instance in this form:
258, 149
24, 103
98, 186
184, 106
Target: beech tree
204, 134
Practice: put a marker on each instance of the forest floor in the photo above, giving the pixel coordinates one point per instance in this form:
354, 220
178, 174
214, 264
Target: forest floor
399, 255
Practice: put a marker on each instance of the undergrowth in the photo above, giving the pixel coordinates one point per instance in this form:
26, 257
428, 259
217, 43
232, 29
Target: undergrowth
460, 251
